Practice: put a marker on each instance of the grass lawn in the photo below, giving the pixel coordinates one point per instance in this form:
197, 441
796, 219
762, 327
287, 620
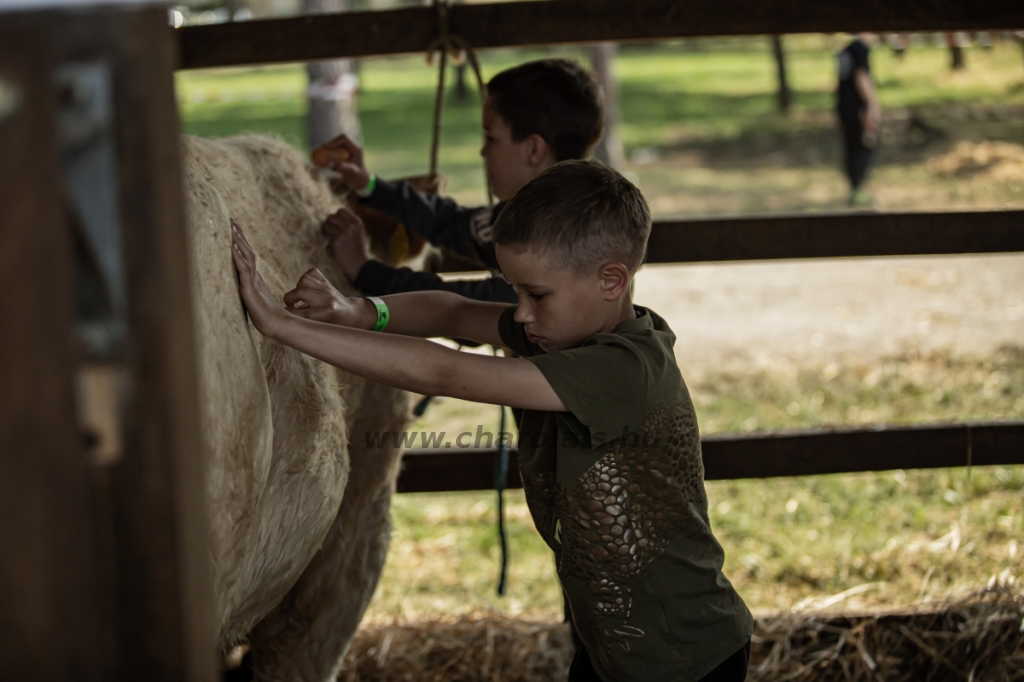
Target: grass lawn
703, 136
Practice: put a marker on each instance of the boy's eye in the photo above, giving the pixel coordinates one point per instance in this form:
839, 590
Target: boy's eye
537, 297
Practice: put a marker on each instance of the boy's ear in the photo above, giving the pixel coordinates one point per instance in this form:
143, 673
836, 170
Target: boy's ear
539, 151
614, 280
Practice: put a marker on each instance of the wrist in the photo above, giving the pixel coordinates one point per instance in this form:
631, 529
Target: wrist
368, 315
279, 327
367, 189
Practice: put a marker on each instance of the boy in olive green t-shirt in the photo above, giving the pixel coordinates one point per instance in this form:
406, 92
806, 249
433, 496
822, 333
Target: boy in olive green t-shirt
609, 449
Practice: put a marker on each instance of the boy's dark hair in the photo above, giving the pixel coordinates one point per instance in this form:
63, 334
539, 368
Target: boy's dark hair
557, 99
579, 213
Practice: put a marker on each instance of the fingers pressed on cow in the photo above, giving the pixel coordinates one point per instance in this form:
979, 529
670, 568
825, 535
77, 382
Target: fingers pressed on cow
259, 301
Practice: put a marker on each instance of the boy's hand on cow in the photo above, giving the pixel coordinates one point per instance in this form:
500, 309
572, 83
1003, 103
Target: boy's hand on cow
346, 241
353, 171
315, 298
264, 310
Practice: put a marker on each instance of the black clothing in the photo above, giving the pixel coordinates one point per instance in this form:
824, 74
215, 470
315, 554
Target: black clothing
442, 222
856, 154
732, 669
380, 279
850, 105
849, 100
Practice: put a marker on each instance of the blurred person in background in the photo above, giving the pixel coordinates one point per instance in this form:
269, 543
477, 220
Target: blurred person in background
859, 115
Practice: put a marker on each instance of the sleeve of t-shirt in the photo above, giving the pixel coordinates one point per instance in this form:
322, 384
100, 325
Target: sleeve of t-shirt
604, 385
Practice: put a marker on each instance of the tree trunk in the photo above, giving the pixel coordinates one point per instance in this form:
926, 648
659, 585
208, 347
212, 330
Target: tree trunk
609, 148
332, 89
956, 52
784, 95
461, 91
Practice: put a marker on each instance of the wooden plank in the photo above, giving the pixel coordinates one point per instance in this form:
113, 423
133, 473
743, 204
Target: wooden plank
465, 469
519, 24
836, 235
51, 616
166, 630
825, 235
793, 453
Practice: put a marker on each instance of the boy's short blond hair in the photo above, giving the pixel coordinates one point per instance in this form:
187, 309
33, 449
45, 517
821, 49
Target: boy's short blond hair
581, 214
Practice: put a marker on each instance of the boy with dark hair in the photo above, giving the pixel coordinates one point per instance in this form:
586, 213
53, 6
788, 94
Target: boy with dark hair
609, 449
535, 115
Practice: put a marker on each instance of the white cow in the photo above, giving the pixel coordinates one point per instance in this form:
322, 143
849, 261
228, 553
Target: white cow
298, 502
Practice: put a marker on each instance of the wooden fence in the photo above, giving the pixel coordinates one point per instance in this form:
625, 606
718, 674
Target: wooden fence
518, 24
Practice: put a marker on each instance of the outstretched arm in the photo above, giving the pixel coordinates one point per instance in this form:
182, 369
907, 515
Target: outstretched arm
409, 363
424, 314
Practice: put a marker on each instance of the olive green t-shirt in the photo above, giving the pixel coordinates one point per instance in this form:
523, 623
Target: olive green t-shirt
616, 488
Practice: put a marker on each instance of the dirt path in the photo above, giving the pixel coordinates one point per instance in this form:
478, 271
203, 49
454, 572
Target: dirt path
785, 313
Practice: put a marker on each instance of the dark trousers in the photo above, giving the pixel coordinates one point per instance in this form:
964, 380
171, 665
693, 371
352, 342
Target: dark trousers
732, 669
857, 155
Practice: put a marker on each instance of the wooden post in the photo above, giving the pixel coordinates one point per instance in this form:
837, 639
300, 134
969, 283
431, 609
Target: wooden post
103, 567
51, 612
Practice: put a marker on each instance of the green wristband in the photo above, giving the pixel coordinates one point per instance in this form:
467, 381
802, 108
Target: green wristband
371, 185
382, 313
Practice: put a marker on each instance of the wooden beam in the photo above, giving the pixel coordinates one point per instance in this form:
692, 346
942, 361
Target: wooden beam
520, 24
836, 235
166, 628
788, 453
826, 235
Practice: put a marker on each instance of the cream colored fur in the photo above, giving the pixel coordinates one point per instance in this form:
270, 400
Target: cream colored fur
298, 512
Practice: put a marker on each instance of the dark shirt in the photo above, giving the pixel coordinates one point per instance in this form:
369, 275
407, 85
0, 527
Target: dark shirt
849, 100
616, 488
442, 222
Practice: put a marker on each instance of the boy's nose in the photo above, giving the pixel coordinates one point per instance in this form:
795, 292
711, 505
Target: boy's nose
523, 313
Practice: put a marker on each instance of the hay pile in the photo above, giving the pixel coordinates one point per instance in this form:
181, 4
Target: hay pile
997, 161
977, 638
469, 649
974, 638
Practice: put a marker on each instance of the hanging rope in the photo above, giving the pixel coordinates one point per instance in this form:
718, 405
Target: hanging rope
448, 44
500, 483
459, 50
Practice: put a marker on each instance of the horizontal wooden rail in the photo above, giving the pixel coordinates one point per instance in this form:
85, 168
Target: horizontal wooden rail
788, 453
548, 22
826, 235
836, 235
